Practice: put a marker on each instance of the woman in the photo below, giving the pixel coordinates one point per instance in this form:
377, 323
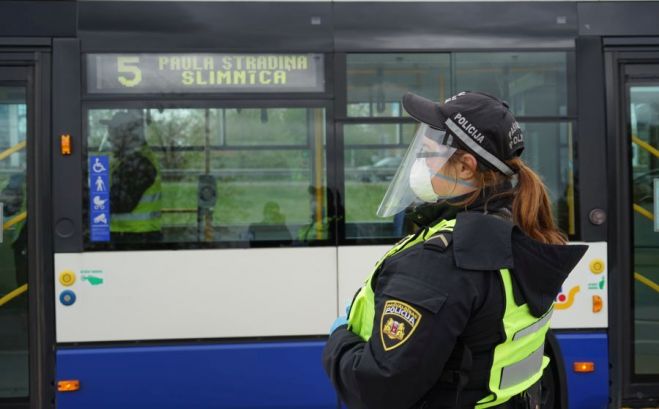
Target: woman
455, 315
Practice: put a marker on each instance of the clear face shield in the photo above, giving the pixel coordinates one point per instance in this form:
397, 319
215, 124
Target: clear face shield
125, 132
424, 159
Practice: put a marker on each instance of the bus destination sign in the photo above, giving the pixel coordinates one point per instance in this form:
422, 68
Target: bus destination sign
204, 73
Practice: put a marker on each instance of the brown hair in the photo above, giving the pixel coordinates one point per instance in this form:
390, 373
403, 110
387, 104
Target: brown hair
531, 205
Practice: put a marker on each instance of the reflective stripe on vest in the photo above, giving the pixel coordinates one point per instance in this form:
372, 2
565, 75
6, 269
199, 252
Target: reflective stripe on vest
146, 216
362, 310
518, 361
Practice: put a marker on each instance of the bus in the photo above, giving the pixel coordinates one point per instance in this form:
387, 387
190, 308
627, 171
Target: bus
268, 132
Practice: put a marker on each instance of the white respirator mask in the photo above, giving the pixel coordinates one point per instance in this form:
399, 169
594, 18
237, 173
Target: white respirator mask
421, 182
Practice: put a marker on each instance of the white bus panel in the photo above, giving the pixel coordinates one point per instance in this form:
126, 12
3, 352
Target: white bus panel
583, 301
141, 295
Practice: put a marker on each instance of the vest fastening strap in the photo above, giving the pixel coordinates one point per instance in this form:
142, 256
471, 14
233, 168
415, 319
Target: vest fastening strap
522, 370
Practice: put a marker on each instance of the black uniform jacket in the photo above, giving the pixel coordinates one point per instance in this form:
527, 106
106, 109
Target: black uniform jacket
130, 179
456, 298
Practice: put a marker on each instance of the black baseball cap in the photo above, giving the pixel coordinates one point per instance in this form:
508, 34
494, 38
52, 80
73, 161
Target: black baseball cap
480, 123
123, 119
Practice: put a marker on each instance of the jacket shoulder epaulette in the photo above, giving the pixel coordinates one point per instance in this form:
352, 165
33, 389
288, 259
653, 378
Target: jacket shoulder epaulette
440, 241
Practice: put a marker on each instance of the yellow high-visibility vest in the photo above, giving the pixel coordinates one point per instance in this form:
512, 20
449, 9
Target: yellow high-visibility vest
146, 217
518, 361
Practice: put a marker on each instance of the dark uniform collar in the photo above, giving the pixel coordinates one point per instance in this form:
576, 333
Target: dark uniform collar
482, 242
485, 239
485, 242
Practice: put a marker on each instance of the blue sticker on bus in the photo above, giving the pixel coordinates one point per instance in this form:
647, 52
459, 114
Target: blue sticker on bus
99, 198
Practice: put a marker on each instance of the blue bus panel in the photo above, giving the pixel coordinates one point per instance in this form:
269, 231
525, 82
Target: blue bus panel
586, 390
285, 375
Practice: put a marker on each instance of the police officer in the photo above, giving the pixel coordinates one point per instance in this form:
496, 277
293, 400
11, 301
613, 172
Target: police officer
455, 315
135, 188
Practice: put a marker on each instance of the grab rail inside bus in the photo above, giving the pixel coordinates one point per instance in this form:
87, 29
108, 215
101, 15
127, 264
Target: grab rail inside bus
14, 220
646, 146
7, 153
644, 280
4, 155
655, 152
11, 222
12, 294
644, 212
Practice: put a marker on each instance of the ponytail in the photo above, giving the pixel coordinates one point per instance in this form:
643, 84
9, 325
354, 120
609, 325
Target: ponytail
531, 206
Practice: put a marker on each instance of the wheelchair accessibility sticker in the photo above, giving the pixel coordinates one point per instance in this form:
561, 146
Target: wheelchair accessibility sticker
99, 198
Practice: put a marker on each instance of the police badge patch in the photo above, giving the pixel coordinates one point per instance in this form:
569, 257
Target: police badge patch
398, 322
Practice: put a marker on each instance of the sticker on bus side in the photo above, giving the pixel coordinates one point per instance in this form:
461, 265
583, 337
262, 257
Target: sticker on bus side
583, 300
99, 198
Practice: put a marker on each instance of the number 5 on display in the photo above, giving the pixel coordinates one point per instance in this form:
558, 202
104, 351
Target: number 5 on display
127, 65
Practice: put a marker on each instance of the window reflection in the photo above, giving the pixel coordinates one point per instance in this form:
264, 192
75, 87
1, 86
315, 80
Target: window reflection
134, 194
372, 155
548, 150
376, 82
233, 174
533, 83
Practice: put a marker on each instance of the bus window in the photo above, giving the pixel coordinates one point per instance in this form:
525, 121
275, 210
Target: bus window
376, 82
224, 174
533, 83
372, 154
14, 370
548, 150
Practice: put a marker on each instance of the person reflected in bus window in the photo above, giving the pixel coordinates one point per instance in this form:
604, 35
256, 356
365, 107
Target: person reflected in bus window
456, 314
14, 200
135, 188
272, 227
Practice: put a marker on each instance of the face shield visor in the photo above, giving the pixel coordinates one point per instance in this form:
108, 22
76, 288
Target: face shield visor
125, 132
424, 159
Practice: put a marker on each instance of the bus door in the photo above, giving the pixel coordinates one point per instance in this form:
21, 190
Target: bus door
14, 318
636, 253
